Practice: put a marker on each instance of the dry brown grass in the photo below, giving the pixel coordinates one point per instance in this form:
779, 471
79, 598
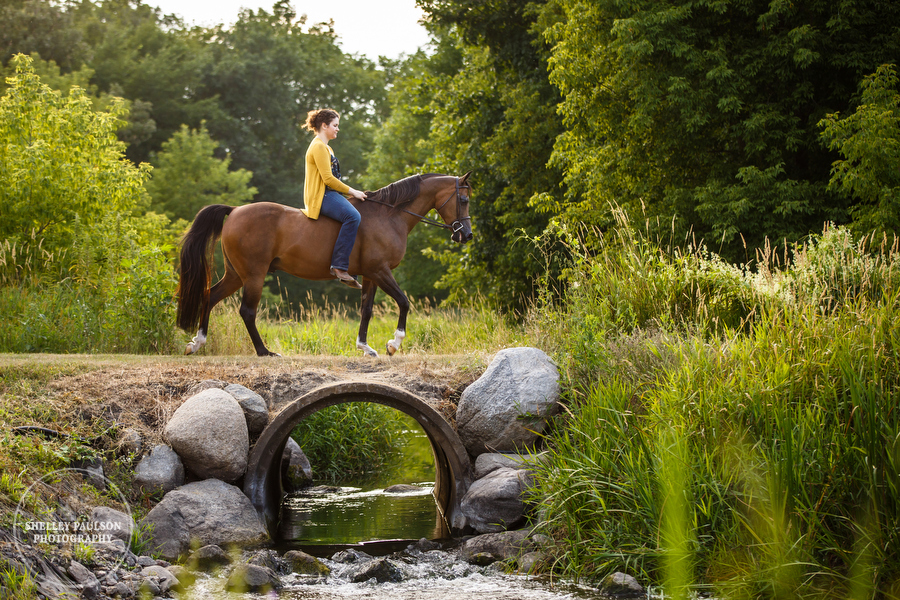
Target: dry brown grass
84, 394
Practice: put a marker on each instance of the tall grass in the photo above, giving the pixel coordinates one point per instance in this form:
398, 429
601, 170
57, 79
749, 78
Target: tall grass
333, 329
733, 428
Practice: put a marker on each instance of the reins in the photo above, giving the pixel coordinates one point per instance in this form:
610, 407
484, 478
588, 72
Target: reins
428, 221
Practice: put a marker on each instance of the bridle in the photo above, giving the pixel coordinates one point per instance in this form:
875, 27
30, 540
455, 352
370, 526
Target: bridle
461, 199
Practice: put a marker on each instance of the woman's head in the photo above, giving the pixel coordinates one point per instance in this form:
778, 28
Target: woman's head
323, 116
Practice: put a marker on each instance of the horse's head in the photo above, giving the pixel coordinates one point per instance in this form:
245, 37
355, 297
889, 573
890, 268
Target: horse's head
456, 214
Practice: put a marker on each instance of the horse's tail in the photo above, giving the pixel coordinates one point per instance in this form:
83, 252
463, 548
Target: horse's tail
195, 270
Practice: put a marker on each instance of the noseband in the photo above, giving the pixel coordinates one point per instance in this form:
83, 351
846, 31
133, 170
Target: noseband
461, 199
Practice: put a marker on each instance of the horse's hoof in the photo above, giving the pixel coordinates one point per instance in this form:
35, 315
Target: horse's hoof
391, 349
188, 349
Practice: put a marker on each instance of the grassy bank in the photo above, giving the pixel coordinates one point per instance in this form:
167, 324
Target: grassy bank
730, 428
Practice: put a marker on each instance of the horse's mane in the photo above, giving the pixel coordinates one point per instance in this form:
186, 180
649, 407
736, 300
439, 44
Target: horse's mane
400, 192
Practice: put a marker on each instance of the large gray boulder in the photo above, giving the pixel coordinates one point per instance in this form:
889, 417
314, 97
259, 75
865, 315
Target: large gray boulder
492, 547
210, 434
491, 461
112, 522
507, 408
254, 406
296, 472
159, 472
495, 502
204, 512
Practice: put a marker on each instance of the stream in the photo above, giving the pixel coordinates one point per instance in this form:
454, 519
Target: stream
324, 520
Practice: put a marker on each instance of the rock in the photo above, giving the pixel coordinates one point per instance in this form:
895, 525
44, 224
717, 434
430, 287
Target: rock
150, 588
209, 557
296, 472
621, 585
207, 384
351, 556
424, 545
305, 564
268, 559
254, 406
210, 434
531, 563
146, 561
130, 441
501, 546
253, 578
210, 512
122, 590
491, 461
495, 502
108, 521
402, 488
381, 569
185, 576
159, 472
506, 409
90, 585
166, 580
114, 548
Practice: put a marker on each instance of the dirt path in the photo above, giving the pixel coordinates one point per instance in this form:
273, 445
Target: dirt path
142, 392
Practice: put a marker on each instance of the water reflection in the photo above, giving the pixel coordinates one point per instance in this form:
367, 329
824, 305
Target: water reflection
361, 510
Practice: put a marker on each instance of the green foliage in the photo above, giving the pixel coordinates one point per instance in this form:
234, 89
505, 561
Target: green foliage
748, 453
14, 584
187, 176
706, 111
59, 161
349, 441
266, 72
869, 141
79, 271
491, 110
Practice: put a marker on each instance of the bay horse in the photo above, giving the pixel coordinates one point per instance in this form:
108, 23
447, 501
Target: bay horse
263, 237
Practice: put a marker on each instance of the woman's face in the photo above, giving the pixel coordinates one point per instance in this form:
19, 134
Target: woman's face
331, 129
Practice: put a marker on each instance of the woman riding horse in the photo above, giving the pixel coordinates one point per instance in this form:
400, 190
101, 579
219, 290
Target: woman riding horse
323, 188
264, 237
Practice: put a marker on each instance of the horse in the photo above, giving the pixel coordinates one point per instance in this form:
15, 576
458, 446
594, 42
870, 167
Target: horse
263, 237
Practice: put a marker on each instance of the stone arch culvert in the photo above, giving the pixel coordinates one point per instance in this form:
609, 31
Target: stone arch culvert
452, 466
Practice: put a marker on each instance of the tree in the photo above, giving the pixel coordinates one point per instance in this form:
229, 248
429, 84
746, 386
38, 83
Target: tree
706, 110
187, 176
869, 141
267, 72
496, 117
39, 26
61, 166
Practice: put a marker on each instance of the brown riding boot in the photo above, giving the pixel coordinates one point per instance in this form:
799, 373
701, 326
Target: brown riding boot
346, 278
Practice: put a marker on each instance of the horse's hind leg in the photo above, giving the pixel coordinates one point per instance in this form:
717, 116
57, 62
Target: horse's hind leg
365, 315
229, 284
252, 295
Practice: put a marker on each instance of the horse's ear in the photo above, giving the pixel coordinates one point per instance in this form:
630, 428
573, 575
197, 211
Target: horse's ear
465, 177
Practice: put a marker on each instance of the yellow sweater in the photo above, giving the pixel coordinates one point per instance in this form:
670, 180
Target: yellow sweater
318, 175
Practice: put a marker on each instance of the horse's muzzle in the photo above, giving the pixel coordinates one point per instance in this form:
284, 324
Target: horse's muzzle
462, 234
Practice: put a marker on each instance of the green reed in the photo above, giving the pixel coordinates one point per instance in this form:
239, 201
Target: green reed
732, 429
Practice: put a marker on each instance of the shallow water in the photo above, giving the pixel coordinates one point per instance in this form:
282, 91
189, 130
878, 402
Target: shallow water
433, 575
360, 514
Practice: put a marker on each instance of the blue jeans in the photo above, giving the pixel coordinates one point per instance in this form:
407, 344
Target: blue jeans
335, 206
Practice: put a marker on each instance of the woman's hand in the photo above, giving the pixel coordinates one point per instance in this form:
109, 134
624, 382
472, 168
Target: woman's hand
358, 194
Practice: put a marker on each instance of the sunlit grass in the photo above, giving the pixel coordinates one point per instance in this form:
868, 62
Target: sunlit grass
732, 430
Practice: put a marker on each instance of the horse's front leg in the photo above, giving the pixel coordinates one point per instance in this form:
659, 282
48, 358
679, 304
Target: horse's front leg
390, 286
365, 315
